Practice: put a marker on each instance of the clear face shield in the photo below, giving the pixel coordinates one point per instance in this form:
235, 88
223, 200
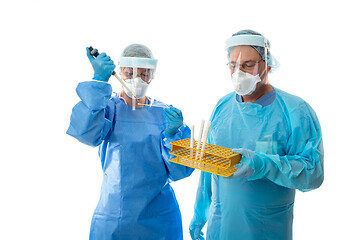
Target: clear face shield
250, 65
245, 63
246, 71
137, 73
137, 80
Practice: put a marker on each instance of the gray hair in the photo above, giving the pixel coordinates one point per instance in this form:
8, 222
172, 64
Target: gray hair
137, 50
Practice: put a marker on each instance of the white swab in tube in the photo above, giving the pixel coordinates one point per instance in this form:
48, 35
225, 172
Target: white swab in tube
205, 138
200, 137
192, 141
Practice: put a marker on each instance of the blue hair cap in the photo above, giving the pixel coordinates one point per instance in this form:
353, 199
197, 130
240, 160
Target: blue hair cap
255, 40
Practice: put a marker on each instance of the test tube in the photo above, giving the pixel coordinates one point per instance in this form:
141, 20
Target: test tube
133, 103
200, 137
150, 105
206, 133
191, 145
135, 72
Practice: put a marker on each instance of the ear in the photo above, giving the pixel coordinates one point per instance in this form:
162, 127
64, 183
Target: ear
269, 68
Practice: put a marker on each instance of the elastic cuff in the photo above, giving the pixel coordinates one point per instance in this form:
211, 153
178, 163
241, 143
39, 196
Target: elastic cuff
96, 78
101, 81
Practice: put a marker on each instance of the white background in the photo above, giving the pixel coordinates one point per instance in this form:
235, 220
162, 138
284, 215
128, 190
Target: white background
49, 182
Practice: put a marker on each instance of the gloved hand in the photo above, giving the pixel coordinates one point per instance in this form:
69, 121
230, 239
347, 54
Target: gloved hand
174, 120
243, 169
196, 233
103, 66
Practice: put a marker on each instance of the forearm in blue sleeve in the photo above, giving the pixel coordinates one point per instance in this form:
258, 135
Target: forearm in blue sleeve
176, 171
202, 201
297, 172
89, 122
302, 167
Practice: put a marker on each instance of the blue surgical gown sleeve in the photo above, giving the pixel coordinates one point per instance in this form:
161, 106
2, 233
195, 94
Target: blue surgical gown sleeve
203, 198
202, 201
91, 121
302, 166
176, 171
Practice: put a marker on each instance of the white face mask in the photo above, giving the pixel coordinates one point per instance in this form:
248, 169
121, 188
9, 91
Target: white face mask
138, 86
244, 83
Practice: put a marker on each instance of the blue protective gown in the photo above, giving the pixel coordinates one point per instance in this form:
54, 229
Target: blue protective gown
286, 137
136, 201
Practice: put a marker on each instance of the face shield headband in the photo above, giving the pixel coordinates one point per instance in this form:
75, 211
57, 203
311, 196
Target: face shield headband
249, 40
136, 62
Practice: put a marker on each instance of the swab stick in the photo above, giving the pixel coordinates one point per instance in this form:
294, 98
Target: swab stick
200, 137
206, 133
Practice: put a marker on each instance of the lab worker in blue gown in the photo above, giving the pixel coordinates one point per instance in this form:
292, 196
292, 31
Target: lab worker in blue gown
280, 140
133, 133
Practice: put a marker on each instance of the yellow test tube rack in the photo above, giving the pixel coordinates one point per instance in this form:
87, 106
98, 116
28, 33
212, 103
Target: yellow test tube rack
214, 159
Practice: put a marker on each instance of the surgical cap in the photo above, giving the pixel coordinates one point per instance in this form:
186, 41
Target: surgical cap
256, 41
137, 55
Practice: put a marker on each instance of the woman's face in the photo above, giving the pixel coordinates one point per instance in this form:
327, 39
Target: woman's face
144, 73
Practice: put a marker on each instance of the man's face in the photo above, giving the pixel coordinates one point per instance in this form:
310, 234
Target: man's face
246, 59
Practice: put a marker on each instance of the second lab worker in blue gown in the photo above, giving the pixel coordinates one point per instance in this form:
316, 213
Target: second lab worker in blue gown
136, 200
280, 140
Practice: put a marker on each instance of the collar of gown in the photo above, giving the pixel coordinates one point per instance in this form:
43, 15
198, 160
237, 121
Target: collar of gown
265, 100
